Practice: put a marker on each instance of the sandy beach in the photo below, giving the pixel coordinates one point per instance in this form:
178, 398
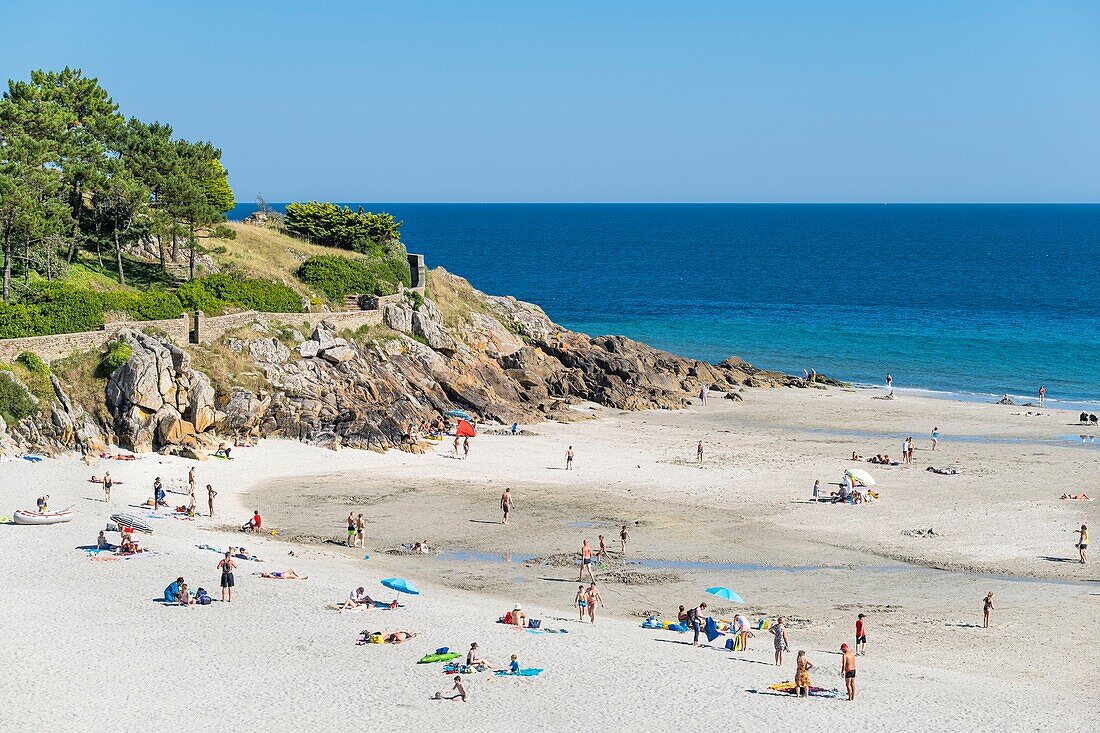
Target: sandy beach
94, 650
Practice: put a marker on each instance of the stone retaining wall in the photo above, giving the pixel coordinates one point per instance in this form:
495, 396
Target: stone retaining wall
62, 344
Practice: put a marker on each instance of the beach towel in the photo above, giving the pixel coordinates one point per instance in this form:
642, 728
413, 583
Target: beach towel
711, 630
32, 459
529, 672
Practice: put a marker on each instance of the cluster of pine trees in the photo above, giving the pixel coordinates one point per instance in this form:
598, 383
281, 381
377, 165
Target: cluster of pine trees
76, 175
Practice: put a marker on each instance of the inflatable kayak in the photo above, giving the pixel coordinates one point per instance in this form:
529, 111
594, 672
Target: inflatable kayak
433, 658
26, 516
129, 520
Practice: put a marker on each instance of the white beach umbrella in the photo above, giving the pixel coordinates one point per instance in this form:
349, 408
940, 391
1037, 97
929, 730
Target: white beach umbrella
860, 477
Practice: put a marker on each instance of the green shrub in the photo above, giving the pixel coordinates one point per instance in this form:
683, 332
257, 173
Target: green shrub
221, 231
16, 402
62, 308
415, 298
33, 362
337, 276
214, 293
332, 225
118, 353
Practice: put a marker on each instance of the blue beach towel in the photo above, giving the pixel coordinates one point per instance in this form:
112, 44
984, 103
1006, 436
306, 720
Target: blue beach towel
530, 672
711, 630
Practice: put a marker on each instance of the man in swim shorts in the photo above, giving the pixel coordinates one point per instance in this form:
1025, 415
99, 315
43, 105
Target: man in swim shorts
586, 562
506, 504
580, 602
848, 670
227, 566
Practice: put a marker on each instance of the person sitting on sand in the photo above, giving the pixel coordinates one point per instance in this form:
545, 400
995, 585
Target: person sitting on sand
357, 598
513, 665
171, 593
291, 574
516, 617
129, 545
856, 457
802, 667
458, 691
101, 542
253, 525
473, 661
184, 598
682, 615
422, 547
223, 451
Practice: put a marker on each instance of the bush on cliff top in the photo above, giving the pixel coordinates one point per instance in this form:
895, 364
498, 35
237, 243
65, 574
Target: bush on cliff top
118, 353
332, 225
16, 402
337, 276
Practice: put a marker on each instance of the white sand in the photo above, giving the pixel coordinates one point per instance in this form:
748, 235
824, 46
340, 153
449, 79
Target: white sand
89, 649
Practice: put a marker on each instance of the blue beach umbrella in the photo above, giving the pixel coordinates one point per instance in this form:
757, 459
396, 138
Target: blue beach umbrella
461, 413
725, 593
401, 586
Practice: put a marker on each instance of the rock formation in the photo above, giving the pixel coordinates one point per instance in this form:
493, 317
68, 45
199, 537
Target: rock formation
499, 358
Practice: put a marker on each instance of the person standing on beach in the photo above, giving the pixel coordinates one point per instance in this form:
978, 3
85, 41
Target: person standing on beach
1042, 394
623, 537
813, 376
602, 553
1083, 543
506, 504
848, 670
569, 459
465, 448
909, 449
360, 531
586, 562
861, 635
703, 393
889, 381
592, 599
987, 607
580, 602
351, 530
191, 483
696, 618
699, 452
802, 667
210, 494
805, 376
227, 566
817, 488
108, 483
781, 641
935, 437
457, 441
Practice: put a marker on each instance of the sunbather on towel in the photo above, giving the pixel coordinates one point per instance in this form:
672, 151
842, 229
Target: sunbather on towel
291, 574
397, 637
1078, 497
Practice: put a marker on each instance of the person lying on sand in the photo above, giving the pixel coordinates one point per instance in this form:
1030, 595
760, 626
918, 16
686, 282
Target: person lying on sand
394, 637
1078, 497
97, 480
291, 574
458, 692
356, 599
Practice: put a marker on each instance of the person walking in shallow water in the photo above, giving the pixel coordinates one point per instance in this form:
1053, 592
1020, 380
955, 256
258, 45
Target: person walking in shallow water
987, 607
1042, 394
889, 381
623, 537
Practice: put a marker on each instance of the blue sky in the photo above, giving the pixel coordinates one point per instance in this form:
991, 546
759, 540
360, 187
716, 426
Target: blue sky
603, 101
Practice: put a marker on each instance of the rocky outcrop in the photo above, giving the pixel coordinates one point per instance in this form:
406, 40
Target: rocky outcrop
157, 400
496, 357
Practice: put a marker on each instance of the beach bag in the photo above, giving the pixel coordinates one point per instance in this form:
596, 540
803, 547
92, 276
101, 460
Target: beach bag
375, 639
534, 623
203, 598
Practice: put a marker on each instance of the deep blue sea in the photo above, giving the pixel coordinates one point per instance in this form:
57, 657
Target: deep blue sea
969, 299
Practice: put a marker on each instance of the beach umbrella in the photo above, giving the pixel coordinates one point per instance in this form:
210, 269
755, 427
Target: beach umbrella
465, 430
401, 586
461, 413
725, 594
860, 477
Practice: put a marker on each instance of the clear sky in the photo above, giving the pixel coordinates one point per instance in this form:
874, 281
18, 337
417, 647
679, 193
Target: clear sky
603, 101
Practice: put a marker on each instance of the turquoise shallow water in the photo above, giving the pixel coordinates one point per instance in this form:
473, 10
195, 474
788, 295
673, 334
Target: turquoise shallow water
978, 300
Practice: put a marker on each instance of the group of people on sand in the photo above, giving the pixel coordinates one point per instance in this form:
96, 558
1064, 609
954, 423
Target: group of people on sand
356, 530
587, 600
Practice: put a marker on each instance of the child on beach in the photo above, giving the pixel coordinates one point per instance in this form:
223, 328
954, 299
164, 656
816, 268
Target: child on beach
623, 537
513, 665
580, 602
459, 692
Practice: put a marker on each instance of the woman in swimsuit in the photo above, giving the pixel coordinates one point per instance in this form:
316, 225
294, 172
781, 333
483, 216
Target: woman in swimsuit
592, 598
988, 606
108, 482
802, 667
